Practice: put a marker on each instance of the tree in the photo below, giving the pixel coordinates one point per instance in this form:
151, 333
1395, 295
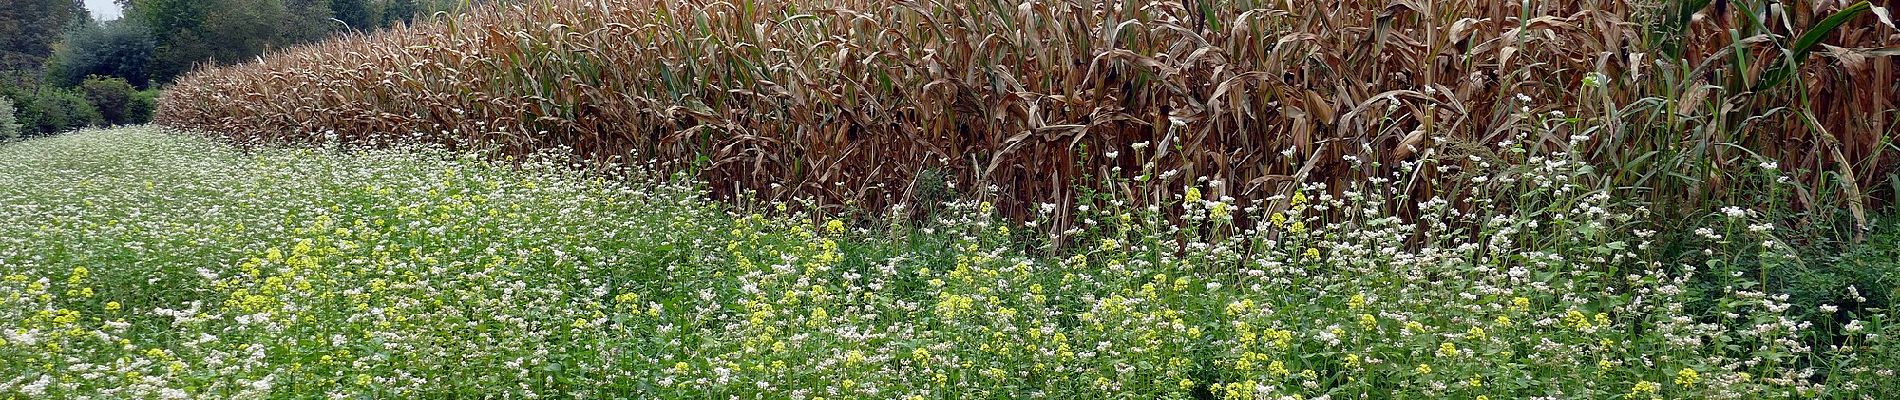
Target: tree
28, 29
395, 11
354, 13
114, 48
190, 32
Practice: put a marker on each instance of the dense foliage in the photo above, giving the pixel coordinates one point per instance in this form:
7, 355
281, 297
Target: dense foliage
116, 48
849, 100
9, 123
144, 265
53, 110
117, 101
29, 28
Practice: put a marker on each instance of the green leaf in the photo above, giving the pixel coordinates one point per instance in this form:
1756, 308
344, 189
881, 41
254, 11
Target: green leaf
1798, 53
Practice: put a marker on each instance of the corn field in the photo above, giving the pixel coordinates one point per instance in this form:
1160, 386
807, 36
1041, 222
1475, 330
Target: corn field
850, 101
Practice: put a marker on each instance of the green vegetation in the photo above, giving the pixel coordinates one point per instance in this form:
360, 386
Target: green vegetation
140, 264
120, 49
29, 29
9, 123
117, 101
51, 110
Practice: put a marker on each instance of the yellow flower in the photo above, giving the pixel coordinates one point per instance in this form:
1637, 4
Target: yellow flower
1414, 326
1423, 369
1475, 333
835, 227
1520, 303
1358, 300
1187, 384
1644, 388
1312, 252
1687, 377
113, 306
1576, 319
1193, 195
1446, 349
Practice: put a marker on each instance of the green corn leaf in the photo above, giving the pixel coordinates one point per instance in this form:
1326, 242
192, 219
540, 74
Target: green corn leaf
1798, 52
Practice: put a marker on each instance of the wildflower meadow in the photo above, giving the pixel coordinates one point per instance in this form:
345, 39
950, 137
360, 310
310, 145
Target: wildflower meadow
140, 263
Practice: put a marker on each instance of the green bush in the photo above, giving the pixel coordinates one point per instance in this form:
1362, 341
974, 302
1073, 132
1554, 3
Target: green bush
57, 110
144, 104
112, 96
9, 125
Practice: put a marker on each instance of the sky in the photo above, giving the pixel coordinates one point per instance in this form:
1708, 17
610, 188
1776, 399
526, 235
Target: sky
103, 10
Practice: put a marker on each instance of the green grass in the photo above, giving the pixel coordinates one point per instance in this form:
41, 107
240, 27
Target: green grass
142, 264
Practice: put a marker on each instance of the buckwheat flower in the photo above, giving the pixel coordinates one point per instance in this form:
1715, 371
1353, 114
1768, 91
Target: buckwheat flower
1734, 212
1770, 165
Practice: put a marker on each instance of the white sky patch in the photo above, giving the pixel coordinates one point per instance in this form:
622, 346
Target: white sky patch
103, 10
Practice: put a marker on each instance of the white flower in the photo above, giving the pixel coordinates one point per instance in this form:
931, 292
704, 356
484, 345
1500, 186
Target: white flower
1734, 212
